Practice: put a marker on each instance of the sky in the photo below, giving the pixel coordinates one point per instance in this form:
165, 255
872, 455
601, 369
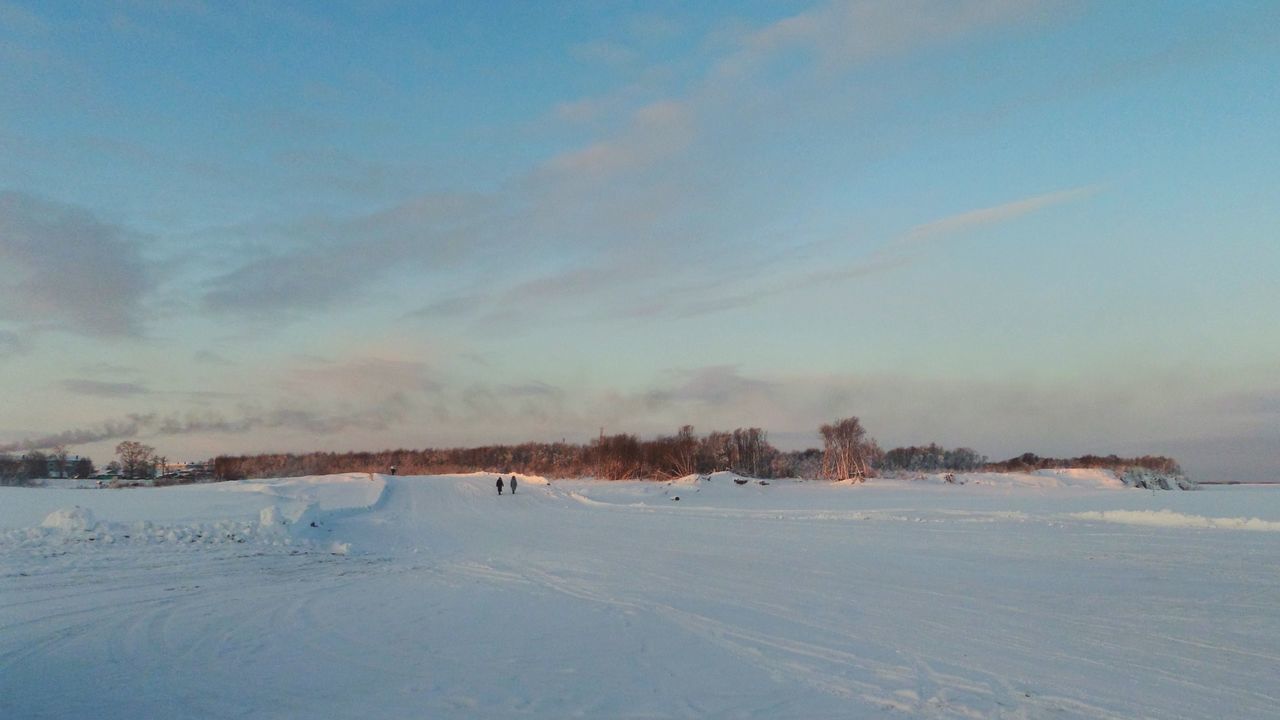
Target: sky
1013, 225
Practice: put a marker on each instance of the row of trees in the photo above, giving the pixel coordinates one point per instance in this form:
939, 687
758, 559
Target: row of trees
35, 465
1031, 461
935, 458
848, 453
931, 458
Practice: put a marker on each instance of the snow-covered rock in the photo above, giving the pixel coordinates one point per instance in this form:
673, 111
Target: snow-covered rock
1140, 477
290, 516
72, 519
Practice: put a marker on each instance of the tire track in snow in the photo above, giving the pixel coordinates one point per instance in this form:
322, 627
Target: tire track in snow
828, 669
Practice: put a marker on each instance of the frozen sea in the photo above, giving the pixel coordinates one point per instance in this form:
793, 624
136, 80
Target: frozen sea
365, 596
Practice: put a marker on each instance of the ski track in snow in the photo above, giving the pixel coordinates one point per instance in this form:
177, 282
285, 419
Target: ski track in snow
612, 600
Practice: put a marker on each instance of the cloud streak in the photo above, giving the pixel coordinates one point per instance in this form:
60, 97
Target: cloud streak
843, 32
984, 217
67, 270
11, 344
98, 388
658, 183
391, 409
332, 261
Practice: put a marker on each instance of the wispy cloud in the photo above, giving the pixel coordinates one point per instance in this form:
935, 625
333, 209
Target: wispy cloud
656, 132
107, 430
389, 410
982, 217
67, 270
604, 52
18, 18
657, 180
11, 344
535, 389
314, 396
841, 32
358, 379
210, 357
337, 260
711, 385
97, 388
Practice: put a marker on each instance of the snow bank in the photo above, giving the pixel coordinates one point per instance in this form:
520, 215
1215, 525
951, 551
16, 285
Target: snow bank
344, 491
1171, 519
530, 479
289, 512
1085, 478
63, 529
1081, 477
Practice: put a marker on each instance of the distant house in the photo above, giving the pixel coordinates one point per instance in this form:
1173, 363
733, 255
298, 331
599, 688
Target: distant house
185, 470
52, 469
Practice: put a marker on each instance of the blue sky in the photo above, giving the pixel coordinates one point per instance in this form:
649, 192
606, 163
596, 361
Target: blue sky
1013, 225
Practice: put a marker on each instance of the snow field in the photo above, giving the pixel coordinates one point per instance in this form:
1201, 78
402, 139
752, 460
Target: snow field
1010, 598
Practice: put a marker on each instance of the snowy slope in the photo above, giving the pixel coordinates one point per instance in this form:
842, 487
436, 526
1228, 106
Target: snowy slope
1052, 598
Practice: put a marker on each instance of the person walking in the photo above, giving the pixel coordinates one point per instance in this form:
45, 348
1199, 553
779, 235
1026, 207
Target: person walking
499, 484
513, 484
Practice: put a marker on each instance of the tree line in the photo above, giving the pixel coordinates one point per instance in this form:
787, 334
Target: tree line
848, 453
1030, 461
935, 458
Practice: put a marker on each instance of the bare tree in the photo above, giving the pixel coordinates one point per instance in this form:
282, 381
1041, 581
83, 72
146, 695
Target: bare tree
847, 451
59, 457
135, 458
676, 455
35, 465
10, 469
84, 468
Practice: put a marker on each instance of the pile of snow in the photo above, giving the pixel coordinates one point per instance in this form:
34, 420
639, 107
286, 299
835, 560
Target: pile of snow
69, 520
722, 477
1170, 519
696, 482
292, 517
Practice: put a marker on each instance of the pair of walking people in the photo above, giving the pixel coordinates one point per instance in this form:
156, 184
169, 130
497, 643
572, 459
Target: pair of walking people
513, 485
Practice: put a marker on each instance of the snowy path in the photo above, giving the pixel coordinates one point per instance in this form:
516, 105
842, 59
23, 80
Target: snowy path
612, 600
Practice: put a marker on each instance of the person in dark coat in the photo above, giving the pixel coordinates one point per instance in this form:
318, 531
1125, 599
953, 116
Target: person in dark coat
513, 484
499, 484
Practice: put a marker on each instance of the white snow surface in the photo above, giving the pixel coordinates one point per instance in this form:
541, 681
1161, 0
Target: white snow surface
1047, 595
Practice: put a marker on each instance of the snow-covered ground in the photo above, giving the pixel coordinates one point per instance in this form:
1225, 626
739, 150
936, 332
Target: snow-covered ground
1051, 595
